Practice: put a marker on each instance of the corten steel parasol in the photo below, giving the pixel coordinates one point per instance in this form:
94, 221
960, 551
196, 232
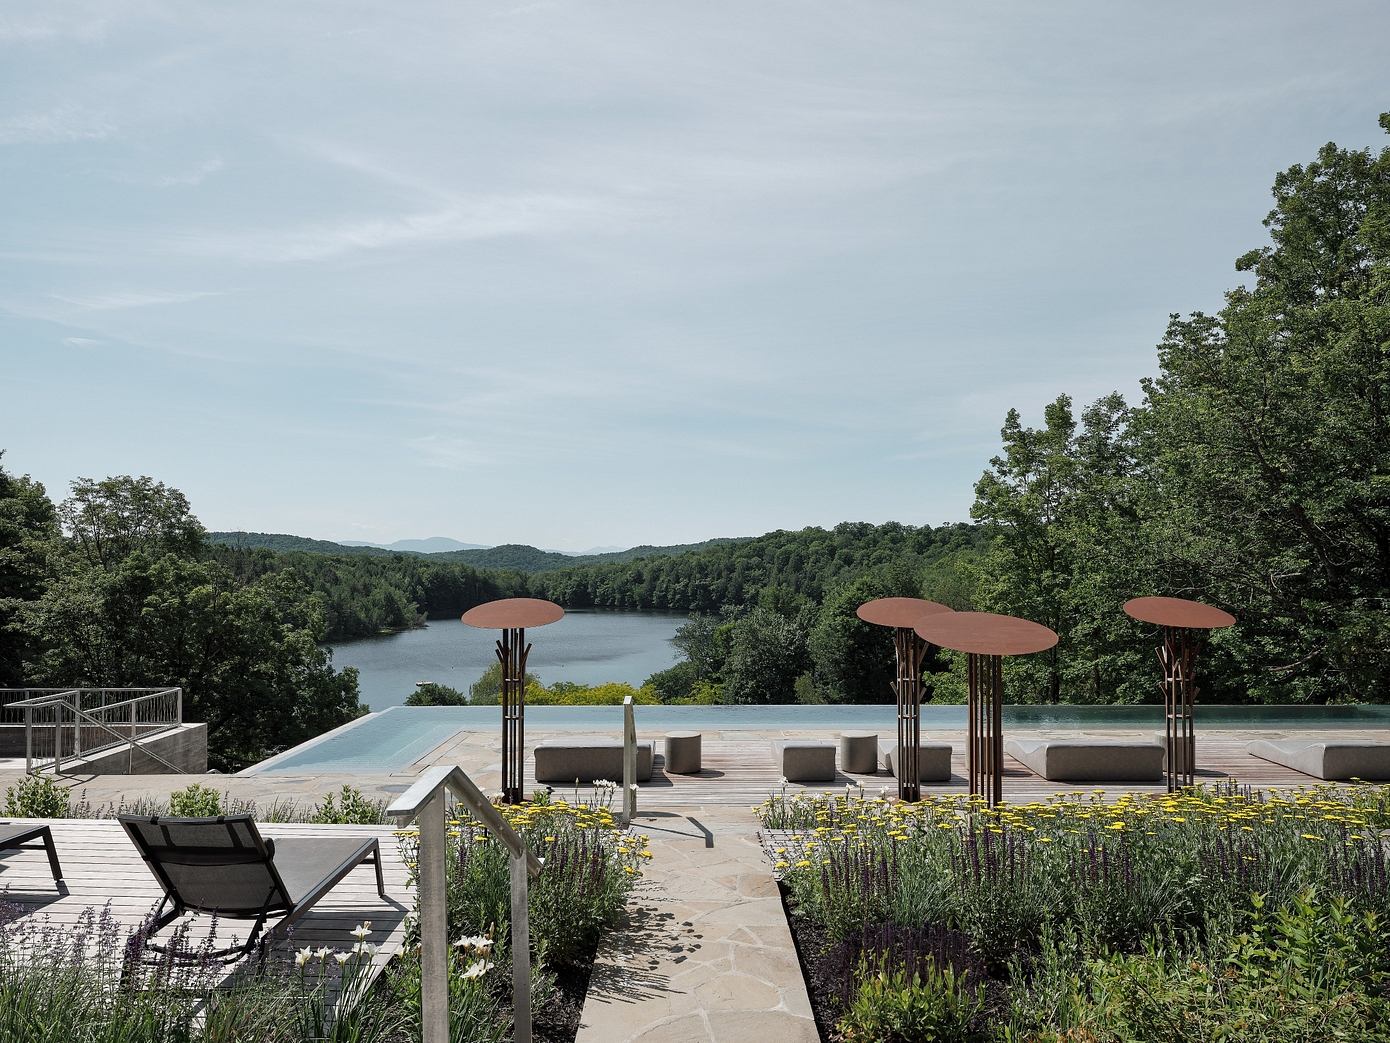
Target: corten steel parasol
1182, 624
512, 616
986, 639
902, 614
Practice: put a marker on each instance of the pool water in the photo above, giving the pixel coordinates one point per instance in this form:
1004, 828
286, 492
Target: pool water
397, 737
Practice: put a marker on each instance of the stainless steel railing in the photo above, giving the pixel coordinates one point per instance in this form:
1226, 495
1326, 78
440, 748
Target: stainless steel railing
63, 724
424, 803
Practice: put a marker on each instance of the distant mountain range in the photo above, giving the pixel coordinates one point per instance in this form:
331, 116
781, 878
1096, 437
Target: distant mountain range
517, 557
429, 545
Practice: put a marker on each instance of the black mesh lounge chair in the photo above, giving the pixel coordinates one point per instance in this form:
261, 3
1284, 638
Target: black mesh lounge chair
225, 867
14, 835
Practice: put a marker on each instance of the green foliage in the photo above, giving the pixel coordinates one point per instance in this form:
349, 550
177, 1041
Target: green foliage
487, 690
853, 661
29, 545
132, 601
589, 870
52, 989
1314, 970
674, 683
767, 654
567, 693
196, 801
351, 808
1124, 921
431, 694
1253, 476
37, 796
893, 1005
779, 570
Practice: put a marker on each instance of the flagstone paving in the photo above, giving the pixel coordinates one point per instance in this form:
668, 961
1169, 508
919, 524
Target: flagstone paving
706, 956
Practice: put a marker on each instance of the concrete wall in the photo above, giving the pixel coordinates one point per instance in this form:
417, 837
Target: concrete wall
186, 747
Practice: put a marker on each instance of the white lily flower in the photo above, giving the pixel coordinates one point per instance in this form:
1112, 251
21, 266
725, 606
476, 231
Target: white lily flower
362, 931
342, 957
478, 969
303, 956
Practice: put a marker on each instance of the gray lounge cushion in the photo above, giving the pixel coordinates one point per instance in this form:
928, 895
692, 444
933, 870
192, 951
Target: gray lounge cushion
1333, 759
804, 760
1090, 760
933, 760
586, 760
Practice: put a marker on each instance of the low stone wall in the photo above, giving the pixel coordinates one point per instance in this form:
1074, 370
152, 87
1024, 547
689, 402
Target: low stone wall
186, 747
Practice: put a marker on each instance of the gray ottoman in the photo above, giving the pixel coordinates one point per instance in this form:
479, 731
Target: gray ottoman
933, 760
804, 760
1185, 756
683, 753
859, 752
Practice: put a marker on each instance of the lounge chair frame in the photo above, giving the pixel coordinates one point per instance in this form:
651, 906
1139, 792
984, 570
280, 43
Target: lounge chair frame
14, 837
261, 851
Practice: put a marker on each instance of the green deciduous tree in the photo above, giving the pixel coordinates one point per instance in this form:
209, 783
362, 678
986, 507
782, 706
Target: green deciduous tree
29, 545
767, 652
1270, 429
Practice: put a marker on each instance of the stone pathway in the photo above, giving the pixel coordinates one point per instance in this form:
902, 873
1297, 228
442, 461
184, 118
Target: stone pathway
706, 956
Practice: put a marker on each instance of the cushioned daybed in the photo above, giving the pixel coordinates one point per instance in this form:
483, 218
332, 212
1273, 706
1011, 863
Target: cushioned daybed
1090, 760
804, 760
1333, 759
587, 760
933, 760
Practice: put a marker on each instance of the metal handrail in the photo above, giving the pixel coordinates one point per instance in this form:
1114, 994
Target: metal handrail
71, 699
424, 803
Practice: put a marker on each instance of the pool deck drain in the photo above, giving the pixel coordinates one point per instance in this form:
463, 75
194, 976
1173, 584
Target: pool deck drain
706, 955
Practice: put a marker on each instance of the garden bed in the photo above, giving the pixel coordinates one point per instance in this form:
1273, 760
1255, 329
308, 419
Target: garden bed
1217, 913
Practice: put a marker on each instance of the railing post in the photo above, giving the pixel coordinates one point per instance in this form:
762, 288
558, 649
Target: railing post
178, 706
629, 763
28, 740
434, 938
521, 949
77, 724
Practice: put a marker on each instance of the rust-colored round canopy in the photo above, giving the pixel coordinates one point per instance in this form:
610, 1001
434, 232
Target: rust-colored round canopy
985, 633
898, 612
513, 612
1178, 612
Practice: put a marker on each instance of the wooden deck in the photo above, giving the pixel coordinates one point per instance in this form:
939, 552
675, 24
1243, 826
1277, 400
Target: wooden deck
739, 770
102, 870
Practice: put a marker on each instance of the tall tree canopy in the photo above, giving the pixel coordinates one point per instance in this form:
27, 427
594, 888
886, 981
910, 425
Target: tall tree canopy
1256, 475
131, 599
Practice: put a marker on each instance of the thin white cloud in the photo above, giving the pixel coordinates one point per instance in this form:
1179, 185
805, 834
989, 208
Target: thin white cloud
81, 342
65, 123
487, 217
133, 299
195, 175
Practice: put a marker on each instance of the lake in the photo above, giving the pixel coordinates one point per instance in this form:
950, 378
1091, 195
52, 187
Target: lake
587, 647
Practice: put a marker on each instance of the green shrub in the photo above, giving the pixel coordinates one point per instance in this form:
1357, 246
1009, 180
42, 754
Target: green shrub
893, 1005
37, 796
352, 808
195, 801
1315, 970
431, 694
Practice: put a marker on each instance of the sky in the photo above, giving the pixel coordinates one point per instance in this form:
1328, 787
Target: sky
610, 273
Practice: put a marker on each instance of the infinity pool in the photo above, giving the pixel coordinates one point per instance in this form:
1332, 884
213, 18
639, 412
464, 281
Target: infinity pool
397, 737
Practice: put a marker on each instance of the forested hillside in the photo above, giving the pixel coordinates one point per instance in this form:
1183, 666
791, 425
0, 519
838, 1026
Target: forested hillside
518, 557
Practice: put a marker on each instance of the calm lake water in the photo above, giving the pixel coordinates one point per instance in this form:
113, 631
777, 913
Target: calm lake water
587, 647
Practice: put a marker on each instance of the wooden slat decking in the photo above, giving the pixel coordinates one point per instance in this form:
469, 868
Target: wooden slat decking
102, 870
